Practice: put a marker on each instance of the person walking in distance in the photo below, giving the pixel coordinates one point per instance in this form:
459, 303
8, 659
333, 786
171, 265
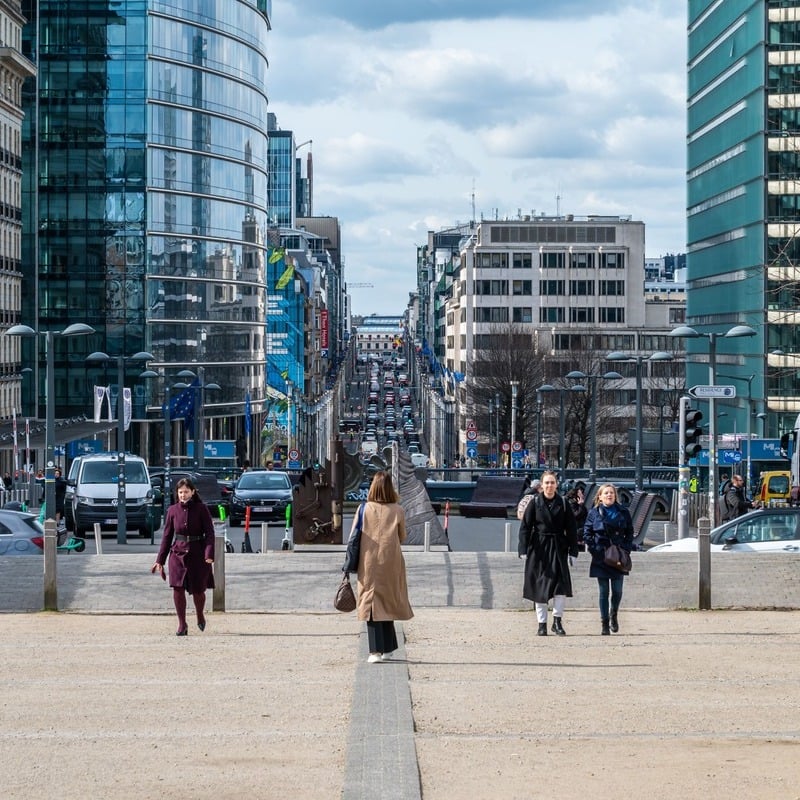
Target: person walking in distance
607, 523
547, 541
734, 502
381, 568
188, 540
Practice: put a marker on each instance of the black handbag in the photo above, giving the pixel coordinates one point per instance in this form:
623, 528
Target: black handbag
617, 558
345, 599
353, 554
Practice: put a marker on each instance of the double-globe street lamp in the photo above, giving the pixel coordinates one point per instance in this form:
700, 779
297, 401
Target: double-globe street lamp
198, 387
686, 332
639, 360
141, 357
76, 329
547, 387
577, 375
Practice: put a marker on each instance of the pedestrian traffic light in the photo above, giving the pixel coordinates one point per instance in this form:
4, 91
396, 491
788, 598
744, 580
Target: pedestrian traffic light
691, 432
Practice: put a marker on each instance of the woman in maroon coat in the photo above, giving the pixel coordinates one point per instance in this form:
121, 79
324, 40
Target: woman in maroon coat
189, 540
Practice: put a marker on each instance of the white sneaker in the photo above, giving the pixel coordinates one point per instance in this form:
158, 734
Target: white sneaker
374, 658
386, 656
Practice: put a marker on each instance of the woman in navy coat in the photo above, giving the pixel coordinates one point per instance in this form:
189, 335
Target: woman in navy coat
188, 539
607, 523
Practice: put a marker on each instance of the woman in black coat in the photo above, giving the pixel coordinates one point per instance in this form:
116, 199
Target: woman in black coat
188, 539
607, 523
547, 538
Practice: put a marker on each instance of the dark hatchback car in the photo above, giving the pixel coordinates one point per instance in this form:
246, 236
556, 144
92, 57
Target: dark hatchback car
266, 492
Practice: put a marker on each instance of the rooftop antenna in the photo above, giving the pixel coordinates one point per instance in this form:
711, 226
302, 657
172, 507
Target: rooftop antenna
558, 203
473, 200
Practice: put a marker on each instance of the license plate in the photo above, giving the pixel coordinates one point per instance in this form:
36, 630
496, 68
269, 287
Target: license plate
112, 521
262, 509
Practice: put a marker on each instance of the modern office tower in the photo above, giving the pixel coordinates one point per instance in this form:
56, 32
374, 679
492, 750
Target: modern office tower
146, 155
14, 69
743, 252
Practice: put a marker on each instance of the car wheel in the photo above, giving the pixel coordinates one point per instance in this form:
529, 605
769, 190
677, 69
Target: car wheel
144, 533
234, 521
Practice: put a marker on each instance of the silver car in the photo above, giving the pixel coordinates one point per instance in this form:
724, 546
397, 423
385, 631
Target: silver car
21, 534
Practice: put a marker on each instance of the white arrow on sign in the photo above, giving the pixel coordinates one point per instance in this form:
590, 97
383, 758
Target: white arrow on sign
705, 392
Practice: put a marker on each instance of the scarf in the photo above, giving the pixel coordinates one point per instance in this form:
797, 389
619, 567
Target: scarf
612, 515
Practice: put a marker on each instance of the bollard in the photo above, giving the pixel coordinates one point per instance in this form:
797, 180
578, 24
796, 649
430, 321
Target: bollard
50, 583
704, 563
666, 532
264, 537
98, 538
427, 539
218, 602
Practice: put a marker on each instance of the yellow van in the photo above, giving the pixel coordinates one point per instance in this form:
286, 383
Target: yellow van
774, 488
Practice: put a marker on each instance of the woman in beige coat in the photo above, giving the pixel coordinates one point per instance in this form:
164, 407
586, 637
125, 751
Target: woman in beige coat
382, 588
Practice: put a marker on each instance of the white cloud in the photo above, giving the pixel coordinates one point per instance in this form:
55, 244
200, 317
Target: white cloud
412, 104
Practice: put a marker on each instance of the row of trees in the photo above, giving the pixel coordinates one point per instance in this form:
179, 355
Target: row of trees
512, 355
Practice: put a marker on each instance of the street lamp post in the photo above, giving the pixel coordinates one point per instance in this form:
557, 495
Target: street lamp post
122, 497
750, 414
491, 437
562, 436
658, 356
514, 387
608, 376
686, 332
198, 387
76, 329
497, 425
538, 425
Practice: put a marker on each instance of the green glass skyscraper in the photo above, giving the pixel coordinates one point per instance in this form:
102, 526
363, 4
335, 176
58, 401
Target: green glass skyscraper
743, 202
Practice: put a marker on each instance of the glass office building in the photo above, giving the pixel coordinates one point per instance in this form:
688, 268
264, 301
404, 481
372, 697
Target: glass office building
743, 153
146, 192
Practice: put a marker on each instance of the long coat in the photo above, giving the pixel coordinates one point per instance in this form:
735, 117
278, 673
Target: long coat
382, 587
547, 535
187, 568
598, 534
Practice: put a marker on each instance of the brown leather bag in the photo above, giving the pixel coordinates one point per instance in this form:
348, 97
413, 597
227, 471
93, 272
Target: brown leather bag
617, 558
345, 599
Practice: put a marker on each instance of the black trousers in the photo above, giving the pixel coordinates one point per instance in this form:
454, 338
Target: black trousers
382, 637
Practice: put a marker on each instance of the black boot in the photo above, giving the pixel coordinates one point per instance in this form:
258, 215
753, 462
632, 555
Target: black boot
542, 629
558, 628
613, 622
606, 630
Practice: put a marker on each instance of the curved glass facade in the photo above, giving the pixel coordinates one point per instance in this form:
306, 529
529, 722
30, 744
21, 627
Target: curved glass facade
152, 191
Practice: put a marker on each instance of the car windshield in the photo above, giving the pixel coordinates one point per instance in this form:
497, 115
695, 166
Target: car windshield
107, 471
264, 480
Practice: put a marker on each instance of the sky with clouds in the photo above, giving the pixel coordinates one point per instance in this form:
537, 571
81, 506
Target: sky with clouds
530, 106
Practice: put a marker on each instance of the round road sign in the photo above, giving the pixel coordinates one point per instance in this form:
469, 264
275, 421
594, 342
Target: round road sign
516, 447
472, 435
294, 455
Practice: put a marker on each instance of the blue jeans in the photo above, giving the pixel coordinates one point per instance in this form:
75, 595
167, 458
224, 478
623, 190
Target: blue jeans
616, 595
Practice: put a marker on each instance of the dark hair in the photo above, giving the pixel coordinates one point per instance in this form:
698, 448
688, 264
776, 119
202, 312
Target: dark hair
189, 484
381, 489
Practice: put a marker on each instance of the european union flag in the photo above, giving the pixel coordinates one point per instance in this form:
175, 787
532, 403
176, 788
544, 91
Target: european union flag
182, 406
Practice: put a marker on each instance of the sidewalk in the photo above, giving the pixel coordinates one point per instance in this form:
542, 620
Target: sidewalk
678, 704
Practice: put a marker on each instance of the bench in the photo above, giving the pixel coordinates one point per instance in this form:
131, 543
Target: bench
493, 496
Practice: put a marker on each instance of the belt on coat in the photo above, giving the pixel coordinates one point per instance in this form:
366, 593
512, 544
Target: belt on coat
179, 537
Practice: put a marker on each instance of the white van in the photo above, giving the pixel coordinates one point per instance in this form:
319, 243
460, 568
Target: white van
92, 493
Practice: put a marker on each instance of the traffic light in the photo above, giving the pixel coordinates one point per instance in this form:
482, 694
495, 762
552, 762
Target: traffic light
690, 431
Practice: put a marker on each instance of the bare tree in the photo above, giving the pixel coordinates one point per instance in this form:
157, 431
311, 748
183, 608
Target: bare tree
510, 355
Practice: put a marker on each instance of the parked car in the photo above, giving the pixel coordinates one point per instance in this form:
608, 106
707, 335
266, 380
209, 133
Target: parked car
765, 530
21, 534
266, 492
